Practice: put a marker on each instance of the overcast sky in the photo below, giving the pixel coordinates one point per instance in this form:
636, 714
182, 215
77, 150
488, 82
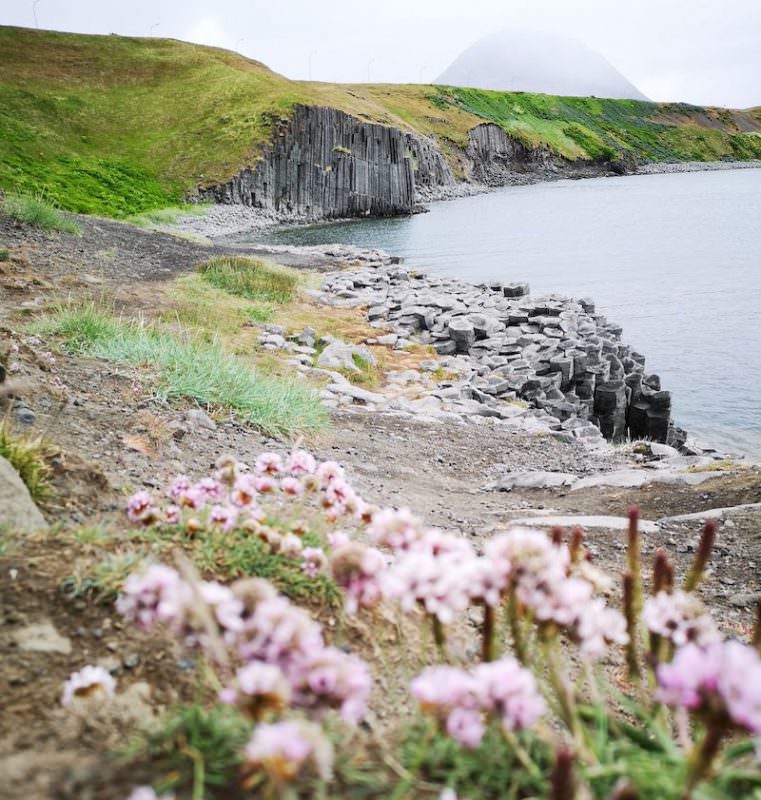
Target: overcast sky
699, 51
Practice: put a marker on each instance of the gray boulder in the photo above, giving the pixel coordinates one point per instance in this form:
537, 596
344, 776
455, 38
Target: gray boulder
17, 509
340, 355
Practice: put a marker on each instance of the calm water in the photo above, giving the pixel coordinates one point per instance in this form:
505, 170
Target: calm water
676, 259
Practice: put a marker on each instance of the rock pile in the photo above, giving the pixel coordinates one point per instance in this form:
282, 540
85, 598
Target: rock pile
553, 352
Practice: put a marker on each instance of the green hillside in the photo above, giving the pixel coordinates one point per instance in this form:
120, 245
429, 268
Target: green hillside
114, 125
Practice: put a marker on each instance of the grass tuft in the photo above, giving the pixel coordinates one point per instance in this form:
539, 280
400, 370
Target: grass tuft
4, 254
199, 749
166, 217
192, 369
34, 210
251, 278
28, 456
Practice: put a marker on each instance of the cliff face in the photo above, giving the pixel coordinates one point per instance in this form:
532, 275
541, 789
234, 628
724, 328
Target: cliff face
324, 163
497, 159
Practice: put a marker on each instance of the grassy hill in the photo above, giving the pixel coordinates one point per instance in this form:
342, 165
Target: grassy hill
114, 125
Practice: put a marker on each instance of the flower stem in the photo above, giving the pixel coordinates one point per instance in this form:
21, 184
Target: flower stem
526, 761
695, 575
702, 757
487, 646
439, 636
519, 643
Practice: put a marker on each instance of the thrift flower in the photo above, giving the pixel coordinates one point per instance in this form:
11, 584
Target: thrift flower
268, 464
285, 749
300, 463
88, 682
681, 617
314, 561
721, 681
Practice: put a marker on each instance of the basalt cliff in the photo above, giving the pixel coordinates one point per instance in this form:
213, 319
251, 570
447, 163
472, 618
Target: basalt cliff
323, 164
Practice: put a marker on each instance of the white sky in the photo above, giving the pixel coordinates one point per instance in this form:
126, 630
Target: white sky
699, 51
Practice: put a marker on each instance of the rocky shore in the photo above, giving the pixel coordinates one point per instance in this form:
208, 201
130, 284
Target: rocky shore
539, 364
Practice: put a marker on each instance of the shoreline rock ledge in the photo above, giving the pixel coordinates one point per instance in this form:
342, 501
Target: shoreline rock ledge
555, 353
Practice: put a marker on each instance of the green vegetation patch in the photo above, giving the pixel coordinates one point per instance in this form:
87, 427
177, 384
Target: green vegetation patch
592, 128
251, 278
191, 369
29, 457
35, 210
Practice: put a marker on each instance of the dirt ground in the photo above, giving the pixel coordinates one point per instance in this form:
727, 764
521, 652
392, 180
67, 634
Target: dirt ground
112, 438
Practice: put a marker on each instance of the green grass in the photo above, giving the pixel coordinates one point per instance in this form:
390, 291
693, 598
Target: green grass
4, 254
198, 748
192, 369
166, 217
238, 554
594, 128
28, 456
251, 278
118, 126
35, 210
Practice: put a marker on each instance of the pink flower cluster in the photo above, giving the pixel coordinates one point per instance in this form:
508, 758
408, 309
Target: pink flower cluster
443, 575
286, 749
462, 699
285, 659
723, 678
236, 496
680, 617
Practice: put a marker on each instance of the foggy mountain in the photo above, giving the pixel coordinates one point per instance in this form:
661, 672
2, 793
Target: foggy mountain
530, 61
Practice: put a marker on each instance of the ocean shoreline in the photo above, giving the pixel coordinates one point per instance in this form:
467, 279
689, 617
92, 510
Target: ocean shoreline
225, 222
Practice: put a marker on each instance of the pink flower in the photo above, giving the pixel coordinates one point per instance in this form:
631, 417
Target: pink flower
681, 617
268, 464
211, 490
291, 546
138, 506
598, 626
441, 689
358, 570
395, 529
301, 463
338, 539
156, 595
284, 749
438, 583
314, 561
724, 676
193, 498
278, 633
224, 517
88, 682
259, 687
265, 484
510, 691
178, 487
334, 679
328, 472
244, 491
172, 515
226, 607
466, 727
292, 487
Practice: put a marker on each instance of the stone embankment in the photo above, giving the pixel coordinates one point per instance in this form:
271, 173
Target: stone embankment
504, 346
